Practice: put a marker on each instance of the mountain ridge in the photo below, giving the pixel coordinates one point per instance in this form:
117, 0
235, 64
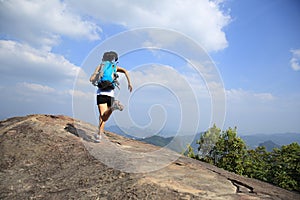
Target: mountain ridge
252, 141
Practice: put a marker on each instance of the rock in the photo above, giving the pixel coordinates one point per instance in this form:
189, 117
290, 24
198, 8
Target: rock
54, 157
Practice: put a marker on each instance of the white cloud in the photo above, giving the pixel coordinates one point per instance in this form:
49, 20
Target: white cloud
177, 82
39, 93
36, 88
21, 63
34, 81
183, 97
202, 20
295, 60
33, 98
41, 23
243, 96
82, 94
30, 72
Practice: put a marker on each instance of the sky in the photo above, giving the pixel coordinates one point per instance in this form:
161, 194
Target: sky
192, 63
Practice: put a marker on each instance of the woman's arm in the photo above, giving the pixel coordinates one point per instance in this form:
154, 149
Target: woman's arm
122, 70
94, 75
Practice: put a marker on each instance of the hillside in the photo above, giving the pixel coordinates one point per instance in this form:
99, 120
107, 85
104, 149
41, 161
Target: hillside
54, 157
269, 145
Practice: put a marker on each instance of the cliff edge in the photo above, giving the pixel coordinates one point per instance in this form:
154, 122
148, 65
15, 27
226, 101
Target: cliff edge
54, 157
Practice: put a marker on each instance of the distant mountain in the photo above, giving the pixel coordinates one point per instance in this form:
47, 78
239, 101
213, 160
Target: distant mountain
157, 140
253, 141
269, 145
134, 133
117, 130
178, 144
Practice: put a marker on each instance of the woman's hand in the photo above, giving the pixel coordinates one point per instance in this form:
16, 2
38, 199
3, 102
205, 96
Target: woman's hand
130, 87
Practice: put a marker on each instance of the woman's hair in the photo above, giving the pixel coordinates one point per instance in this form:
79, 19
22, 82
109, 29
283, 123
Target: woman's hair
110, 56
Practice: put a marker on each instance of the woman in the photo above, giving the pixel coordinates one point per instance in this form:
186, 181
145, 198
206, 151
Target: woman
105, 98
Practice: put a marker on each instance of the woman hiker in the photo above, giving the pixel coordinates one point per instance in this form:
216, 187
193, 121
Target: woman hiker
105, 93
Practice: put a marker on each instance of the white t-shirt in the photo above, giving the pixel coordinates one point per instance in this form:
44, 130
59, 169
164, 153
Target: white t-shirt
110, 93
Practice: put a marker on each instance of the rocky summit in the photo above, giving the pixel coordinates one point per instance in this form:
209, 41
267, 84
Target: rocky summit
55, 157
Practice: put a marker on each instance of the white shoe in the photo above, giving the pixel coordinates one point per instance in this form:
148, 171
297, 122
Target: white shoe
117, 106
97, 138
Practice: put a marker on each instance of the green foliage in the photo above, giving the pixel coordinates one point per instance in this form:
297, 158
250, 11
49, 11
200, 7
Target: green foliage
280, 167
207, 143
230, 151
285, 164
256, 163
190, 152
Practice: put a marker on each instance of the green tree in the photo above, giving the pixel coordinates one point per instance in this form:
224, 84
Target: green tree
207, 142
225, 150
229, 152
190, 152
285, 164
256, 163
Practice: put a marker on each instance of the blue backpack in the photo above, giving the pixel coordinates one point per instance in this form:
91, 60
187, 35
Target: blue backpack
107, 76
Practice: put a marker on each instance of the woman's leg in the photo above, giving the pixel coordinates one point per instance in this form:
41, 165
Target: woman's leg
105, 113
106, 105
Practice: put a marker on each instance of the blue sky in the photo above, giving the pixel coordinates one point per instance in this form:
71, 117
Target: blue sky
248, 61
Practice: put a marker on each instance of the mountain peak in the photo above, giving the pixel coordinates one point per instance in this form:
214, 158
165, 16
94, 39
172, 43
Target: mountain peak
269, 145
54, 157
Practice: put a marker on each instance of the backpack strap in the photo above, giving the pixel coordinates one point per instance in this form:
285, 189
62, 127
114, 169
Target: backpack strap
102, 68
96, 75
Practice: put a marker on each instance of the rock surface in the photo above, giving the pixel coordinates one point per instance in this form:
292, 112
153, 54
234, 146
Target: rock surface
54, 157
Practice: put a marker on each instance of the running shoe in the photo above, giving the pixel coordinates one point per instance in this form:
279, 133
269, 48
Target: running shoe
97, 137
117, 106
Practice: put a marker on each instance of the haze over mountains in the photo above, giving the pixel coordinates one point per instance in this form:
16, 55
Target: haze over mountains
252, 141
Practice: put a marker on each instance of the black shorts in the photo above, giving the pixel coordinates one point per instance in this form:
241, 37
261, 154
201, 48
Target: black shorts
102, 99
